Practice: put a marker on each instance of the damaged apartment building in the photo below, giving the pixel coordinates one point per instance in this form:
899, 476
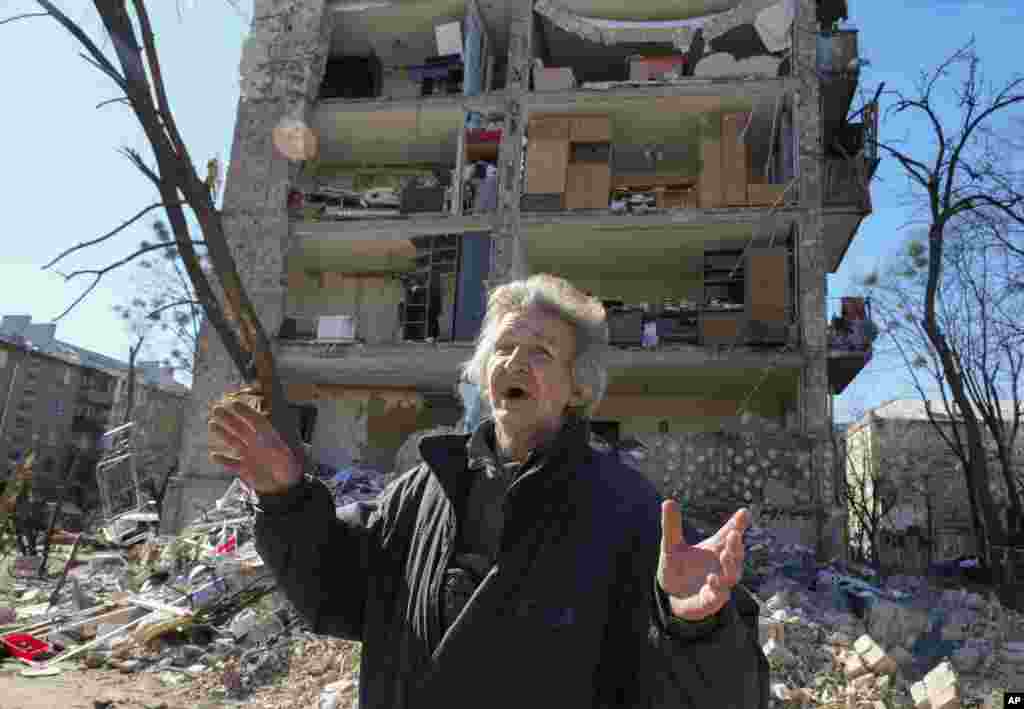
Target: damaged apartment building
693, 164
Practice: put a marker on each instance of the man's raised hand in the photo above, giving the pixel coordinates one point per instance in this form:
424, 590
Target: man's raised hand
699, 579
254, 450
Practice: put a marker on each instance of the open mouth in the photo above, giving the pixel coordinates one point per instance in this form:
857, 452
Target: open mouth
516, 393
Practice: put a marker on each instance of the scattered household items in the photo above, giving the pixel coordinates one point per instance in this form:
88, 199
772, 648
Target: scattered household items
552, 78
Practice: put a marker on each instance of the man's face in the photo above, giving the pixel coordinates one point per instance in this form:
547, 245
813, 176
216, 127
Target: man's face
530, 376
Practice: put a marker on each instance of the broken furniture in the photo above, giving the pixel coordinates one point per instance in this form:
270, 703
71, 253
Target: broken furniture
657, 68
552, 78
570, 155
418, 198
480, 174
746, 296
438, 75
668, 191
727, 177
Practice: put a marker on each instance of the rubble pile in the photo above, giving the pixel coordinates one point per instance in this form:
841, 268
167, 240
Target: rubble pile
837, 637
199, 612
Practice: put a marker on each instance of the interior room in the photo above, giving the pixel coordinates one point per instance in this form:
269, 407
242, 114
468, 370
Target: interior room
661, 153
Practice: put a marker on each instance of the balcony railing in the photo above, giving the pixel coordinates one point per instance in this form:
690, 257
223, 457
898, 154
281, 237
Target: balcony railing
851, 336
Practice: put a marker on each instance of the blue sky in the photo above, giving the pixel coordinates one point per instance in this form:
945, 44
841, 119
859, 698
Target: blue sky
63, 181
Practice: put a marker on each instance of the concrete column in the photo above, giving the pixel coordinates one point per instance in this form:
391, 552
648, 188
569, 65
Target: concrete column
814, 399
508, 260
281, 69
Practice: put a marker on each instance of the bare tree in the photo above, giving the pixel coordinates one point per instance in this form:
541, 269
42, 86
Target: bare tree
138, 76
960, 179
164, 303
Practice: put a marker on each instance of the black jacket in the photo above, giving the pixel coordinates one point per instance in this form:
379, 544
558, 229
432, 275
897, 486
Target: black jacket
570, 616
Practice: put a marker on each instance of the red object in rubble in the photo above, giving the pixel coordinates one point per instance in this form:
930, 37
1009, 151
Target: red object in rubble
227, 547
25, 646
482, 135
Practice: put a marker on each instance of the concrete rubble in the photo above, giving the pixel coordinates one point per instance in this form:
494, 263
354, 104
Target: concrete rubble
200, 612
837, 636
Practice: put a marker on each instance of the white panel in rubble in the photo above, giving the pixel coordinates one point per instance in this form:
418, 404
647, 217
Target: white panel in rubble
774, 23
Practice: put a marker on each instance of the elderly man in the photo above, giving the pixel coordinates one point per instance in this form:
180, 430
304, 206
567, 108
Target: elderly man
517, 566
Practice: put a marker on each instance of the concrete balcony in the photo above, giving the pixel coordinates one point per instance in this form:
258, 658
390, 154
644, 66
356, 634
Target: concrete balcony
434, 366
851, 335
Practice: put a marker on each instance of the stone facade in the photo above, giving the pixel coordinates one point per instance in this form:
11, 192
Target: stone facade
282, 65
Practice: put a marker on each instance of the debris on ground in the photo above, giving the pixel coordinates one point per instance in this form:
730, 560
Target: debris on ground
198, 615
836, 635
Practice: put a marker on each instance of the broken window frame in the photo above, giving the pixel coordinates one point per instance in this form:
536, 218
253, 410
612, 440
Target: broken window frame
437, 256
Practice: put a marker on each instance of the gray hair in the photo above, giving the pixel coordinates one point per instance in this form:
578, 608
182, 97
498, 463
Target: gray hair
556, 295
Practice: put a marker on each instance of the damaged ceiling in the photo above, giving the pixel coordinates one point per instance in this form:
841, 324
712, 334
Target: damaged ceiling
648, 9
747, 38
631, 262
401, 32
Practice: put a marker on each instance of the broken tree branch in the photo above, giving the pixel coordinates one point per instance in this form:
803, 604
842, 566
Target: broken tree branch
121, 227
24, 16
119, 99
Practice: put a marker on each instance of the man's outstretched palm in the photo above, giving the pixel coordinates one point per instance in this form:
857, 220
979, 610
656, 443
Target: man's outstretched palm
699, 578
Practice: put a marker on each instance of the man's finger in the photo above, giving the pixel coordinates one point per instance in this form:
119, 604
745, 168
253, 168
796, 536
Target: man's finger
671, 524
741, 520
229, 462
226, 437
232, 422
257, 421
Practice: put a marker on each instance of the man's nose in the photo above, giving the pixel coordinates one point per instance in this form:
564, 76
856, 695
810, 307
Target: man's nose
519, 361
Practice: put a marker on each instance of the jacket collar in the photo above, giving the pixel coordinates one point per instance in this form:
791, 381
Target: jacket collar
448, 455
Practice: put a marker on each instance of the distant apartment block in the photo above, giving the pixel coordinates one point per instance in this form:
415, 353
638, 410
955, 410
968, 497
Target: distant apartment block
57, 399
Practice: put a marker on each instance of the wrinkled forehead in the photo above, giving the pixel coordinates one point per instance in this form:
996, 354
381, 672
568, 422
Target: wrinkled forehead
536, 323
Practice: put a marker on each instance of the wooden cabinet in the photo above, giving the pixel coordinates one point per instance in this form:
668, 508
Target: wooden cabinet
548, 128
590, 129
720, 327
588, 185
767, 281
546, 166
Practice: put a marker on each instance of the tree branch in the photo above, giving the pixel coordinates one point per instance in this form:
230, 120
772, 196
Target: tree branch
80, 298
97, 56
175, 304
120, 99
24, 16
117, 264
158, 80
93, 242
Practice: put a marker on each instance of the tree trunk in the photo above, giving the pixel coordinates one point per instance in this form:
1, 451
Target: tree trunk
1016, 516
976, 469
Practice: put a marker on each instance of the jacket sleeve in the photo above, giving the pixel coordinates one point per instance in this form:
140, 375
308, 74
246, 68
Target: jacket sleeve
321, 557
714, 663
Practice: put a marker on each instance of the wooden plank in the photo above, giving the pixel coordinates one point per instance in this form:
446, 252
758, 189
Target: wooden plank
720, 328
590, 129
548, 128
651, 181
767, 282
588, 186
546, 163
760, 195
710, 184
735, 163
